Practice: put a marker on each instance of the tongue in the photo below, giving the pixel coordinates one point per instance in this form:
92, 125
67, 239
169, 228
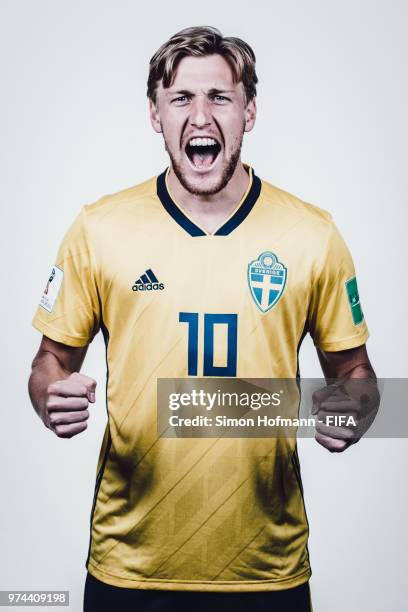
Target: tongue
202, 159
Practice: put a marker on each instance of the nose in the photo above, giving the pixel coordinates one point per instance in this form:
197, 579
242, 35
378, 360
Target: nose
200, 115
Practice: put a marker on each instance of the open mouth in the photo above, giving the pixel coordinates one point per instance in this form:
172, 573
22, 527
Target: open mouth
202, 152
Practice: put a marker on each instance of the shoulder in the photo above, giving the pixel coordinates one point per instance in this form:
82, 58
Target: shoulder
294, 207
127, 202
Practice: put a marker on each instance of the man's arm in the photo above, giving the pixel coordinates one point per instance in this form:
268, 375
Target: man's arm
59, 394
354, 392
352, 362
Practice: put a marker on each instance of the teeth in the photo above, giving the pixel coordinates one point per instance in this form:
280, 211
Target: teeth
202, 142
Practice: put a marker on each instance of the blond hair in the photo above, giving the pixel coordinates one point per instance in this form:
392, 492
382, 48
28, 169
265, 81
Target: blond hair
200, 41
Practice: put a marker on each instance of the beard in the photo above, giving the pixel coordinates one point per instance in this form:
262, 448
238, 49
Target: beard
226, 175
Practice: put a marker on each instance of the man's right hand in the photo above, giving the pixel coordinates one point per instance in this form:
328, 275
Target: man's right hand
66, 404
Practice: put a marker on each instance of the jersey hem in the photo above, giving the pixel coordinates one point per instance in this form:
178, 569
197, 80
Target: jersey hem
199, 585
55, 334
347, 343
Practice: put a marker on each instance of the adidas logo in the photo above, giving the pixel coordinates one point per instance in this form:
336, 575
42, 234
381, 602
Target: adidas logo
148, 282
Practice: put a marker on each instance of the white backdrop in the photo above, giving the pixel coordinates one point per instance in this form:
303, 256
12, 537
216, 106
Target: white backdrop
331, 129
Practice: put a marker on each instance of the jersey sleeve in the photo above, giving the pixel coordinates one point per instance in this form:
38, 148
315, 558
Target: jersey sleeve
69, 309
336, 320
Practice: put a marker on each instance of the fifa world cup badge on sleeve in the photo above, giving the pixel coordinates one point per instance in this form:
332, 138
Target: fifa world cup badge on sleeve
354, 300
267, 280
52, 288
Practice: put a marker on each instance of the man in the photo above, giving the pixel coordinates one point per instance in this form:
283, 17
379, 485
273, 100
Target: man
204, 270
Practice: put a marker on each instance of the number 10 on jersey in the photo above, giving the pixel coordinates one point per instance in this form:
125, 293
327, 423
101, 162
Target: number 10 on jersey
207, 344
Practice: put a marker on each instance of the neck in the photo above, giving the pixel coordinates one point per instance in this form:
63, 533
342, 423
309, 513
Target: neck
209, 211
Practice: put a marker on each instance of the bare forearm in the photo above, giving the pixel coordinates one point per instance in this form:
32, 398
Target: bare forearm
351, 390
59, 393
46, 369
352, 363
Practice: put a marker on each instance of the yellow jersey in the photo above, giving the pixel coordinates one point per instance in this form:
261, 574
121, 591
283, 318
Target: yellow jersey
174, 301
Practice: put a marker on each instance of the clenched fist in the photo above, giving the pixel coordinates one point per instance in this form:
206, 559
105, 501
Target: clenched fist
345, 411
66, 404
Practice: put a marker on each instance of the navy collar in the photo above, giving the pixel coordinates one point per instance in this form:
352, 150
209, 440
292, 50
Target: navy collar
194, 230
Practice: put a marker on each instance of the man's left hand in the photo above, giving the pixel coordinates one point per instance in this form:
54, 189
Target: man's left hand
344, 412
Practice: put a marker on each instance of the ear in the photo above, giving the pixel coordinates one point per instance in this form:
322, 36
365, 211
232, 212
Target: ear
155, 117
250, 115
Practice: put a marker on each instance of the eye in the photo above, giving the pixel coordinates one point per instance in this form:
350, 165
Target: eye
180, 100
219, 99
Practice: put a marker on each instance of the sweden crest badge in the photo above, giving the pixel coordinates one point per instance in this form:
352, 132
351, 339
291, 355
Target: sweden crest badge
267, 280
